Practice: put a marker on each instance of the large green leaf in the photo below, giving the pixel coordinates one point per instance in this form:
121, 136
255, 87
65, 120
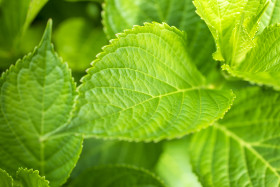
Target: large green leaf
144, 87
174, 165
117, 176
233, 25
123, 14
100, 152
79, 46
271, 15
30, 178
37, 97
243, 148
262, 64
5, 179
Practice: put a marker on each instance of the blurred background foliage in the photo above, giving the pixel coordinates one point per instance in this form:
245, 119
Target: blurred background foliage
77, 32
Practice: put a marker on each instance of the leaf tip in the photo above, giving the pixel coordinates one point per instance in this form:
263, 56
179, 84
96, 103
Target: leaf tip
48, 32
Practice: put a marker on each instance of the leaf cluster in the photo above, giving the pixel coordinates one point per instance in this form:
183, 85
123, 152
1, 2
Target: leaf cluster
170, 93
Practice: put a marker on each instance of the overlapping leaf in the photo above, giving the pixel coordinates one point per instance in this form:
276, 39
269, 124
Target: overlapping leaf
143, 92
117, 176
271, 15
123, 14
23, 178
243, 148
30, 178
262, 64
37, 96
5, 179
233, 25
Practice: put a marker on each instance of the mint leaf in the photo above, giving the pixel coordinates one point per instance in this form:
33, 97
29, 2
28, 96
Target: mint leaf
30, 178
5, 179
142, 92
123, 14
100, 152
117, 176
233, 25
37, 97
262, 62
79, 46
271, 15
243, 148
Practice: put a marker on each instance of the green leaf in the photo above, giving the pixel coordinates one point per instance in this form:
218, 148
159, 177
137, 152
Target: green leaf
98, 152
262, 64
31, 178
5, 179
24, 178
243, 148
79, 46
271, 15
117, 176
144, 87
123, 14
37, 97
174, 165
233, 25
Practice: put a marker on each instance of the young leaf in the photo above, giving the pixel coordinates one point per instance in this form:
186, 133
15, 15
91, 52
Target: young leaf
144, 87
117, 176
243, 148
271, 15
98, 152
233, 25
37, 97
31, 178
5, 179
123, 14
262, 64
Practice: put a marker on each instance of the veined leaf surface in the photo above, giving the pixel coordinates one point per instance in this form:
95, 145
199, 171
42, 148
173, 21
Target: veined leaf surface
123, 14
37, 97
233, 25
143, 92
243, 148
271, 15
262, 64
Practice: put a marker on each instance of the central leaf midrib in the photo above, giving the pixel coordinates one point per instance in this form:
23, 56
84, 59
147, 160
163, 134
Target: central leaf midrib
247, 145
152, 97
